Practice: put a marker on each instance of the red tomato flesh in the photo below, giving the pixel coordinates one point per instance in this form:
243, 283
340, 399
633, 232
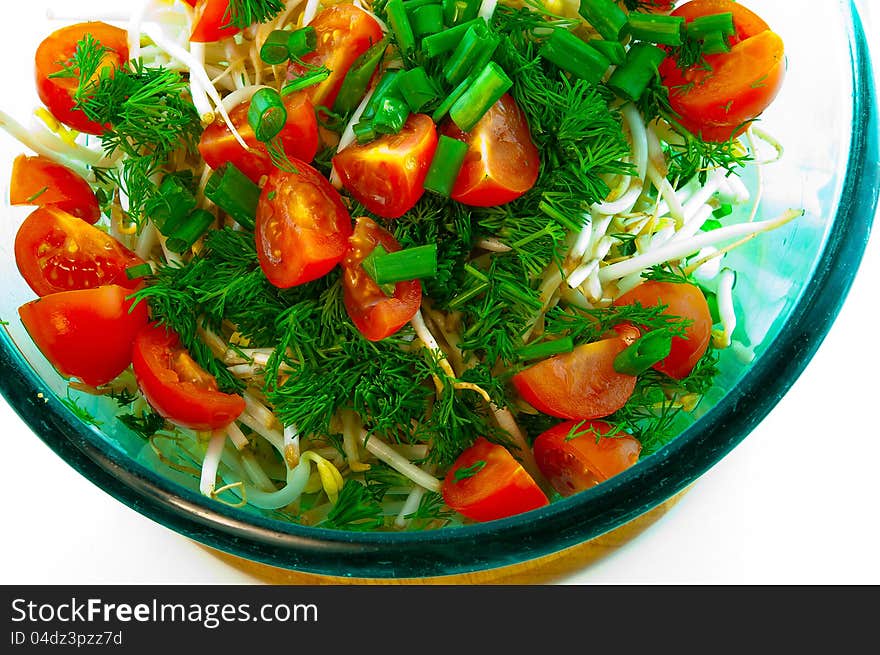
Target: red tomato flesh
388, 175
577, 455
87, 333
299, 139
176, 386
486, 483
376, 315
55, 251
684, 301
42, 182
56, 49
302, 226
501, 163
211, 21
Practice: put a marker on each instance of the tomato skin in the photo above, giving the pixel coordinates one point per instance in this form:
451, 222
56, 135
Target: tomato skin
175, 386
344, 33
685, 301
500, 488
42, 182
719, 103
579, 385
502, 162
590, 456
376, 315
55, 251
299, 138
57, 93
211, 21
86, 333
302, 226
388, 175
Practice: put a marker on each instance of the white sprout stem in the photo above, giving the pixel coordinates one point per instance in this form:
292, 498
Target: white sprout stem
411, 504
147, 240
309, 12
673, 251
348, 137
208, 480
493, 244
385, 453
724, 296
693, 224
297, 479
26, 137
256, 473
242, 95
506, 421
639, 135
582, 242
197, 90
759, 174
236, 436
664, 187
274, 437
135, 19
292, 447
487, 9
623, 204
258, 410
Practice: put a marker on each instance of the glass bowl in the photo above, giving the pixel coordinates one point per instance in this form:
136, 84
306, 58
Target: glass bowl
790, 287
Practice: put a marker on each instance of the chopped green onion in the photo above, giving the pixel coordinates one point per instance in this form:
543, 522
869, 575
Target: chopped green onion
486, 90
445, 165
605, 16
139, 271
400, 25
475, 49
301, 42
451, 99
412, 5
234, 193
612, 50
267, 114
364, 132
545, 349
715, 43
358, 77
391, 115
712, 302
704, 26
427, 20
386, 86
173, 202
632, 78
448, 39
311, 77
189, 231
724, 210
571, 54
274, 49
417, 88
644, 353
456, 12
402, 265
711, 224
657, 28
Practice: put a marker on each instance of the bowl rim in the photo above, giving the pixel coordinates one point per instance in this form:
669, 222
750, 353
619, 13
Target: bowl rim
519, 538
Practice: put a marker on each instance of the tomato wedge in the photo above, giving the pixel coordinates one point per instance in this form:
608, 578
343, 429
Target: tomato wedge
299, 138
577, 455
302, 226
211, 21
501, 163
56, 49
42, 182
344, 32
375, 314
718, 100
176, 386
581, 384
87, 333
486, 483
684, 301
388, 175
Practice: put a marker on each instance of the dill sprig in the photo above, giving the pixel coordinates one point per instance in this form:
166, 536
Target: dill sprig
355, 509
244, 13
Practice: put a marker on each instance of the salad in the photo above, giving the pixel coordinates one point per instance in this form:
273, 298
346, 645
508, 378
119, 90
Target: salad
397, 265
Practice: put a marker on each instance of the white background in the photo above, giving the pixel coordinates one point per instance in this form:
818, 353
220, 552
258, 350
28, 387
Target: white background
797, 502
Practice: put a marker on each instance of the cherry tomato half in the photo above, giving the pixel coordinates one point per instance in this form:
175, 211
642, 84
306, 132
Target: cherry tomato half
55, 50
176, 386
684, 301
87, 333
388, 175
344, 32
486, 483
211, 21
716, 101
302, 226
577, 455
581, 384
42, 182
55, 251
501, 163
299, 138
375, 314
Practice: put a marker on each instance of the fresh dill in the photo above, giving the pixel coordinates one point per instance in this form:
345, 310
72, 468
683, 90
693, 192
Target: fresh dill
144, 425
355, 509
79, 411
244, 13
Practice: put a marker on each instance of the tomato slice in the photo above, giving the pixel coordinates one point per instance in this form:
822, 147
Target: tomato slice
579, 385
176, 386
55, 251
299, 138
56, 49
344, 32
388, 175
717, 101
684, 301
486, 483
87, 333
375, 314
577, 455
42, 182
502, 162
302, 226
211, 21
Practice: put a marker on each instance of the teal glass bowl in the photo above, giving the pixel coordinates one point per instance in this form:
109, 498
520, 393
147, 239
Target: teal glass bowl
791, 285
